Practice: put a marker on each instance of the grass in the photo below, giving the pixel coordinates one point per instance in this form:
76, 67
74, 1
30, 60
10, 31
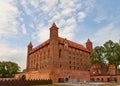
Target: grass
106, 84
50, 85
109, 84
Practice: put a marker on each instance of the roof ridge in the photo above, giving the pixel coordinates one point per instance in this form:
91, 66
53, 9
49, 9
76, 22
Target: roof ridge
74, 44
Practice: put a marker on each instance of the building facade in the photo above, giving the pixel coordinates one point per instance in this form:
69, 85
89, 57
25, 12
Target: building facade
59, 59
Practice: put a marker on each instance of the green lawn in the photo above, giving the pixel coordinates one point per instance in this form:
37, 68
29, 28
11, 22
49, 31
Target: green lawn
110, 84
50, 85
106, 84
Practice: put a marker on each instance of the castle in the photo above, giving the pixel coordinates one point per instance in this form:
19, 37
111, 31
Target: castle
59, 59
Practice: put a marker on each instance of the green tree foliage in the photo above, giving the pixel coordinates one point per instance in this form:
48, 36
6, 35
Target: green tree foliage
8, 69
98, 56
109, 53
112, 52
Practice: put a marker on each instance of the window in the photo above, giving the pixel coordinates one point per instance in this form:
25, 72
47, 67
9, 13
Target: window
60, 53
74, 67
74, 58
48, 53
97, 78
34, 61
69, 57
70, 67
60, 66
77, 63
74, 63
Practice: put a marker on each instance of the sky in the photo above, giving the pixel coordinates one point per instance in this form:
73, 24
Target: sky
22, 21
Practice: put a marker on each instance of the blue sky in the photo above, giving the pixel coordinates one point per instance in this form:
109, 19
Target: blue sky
22, 21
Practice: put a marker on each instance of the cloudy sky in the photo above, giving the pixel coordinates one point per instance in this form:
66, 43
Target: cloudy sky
22, 21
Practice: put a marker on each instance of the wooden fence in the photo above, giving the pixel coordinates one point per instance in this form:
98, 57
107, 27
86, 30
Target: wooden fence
24, 82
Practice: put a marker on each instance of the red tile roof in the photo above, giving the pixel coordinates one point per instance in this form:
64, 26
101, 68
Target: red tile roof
30, 44
54, 25
61, 40
41, 45
73, 44
88, 40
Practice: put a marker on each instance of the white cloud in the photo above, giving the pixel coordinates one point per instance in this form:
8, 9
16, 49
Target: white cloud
17, 55
57, 16
67, 31
42, 33
88, 5
8, 15
9, 27
100, 19
34, 3
23, 29
65, 13
48, 5
81, 16
109, 32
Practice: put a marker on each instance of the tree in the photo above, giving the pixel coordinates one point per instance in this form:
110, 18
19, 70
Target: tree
8, 69
112, 53
117, 53
2, 69
109, 53
98, 56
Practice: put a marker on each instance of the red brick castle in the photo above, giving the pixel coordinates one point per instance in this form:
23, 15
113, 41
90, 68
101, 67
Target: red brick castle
59, 59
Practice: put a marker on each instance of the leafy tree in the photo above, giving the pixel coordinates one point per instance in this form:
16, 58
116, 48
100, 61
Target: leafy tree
2, 69
117, 53
112, 53
8, 69
24, 70
109, 53
98, 56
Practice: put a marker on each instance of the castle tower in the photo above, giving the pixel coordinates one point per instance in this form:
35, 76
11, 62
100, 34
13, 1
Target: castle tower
89, 45
54, 32
29, 49
54, 44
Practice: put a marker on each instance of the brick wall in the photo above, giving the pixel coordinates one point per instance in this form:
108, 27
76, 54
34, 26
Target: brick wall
24, 82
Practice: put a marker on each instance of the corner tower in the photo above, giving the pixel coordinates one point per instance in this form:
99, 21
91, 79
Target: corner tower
54, 32
54, 45
30, 47
28, 59
89, 45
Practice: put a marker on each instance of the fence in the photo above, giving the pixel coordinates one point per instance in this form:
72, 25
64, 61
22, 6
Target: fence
24, 82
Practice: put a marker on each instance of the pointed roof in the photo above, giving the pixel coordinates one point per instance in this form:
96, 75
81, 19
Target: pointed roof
88, 40
54, 25
30, 44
